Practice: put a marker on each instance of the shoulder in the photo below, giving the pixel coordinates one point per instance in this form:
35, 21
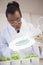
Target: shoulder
4, 32
4, 35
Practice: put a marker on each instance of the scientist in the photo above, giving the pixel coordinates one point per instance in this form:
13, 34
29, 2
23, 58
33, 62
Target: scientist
17, 27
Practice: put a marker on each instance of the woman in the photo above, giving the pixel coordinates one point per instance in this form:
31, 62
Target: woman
17, 27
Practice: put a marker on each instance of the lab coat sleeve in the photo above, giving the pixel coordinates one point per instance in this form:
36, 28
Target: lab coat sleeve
36, 50
3, 41
4, 49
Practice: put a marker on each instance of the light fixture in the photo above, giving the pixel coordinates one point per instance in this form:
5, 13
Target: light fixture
21, 43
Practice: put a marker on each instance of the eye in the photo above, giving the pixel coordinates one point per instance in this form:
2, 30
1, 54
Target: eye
11, 22
19, 20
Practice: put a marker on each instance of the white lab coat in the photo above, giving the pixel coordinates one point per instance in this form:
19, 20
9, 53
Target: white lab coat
10, 33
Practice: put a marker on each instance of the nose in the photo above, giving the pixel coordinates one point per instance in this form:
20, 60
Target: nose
19, 22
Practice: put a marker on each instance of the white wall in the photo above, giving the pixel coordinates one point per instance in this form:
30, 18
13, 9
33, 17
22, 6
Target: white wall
3, 21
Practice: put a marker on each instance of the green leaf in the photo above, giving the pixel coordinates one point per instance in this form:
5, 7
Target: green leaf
4, 59
33, 56
27, 56
15, 57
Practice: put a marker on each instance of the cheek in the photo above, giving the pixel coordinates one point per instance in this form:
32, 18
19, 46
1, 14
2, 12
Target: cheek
17, 25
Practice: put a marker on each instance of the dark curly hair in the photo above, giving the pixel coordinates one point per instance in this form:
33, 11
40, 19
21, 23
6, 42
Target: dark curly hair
12, 7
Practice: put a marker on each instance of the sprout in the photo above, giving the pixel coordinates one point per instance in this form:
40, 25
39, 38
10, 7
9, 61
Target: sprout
33, 56
4, 59
15, 57
27, 56
30, 56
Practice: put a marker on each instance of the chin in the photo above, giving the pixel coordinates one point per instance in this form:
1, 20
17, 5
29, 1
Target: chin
18, 31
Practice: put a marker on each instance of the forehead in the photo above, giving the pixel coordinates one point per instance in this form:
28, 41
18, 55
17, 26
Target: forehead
14, 16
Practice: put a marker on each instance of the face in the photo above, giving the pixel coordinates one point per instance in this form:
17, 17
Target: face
15, 20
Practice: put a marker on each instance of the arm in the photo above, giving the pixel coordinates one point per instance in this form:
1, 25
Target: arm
36, 50
4, 49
